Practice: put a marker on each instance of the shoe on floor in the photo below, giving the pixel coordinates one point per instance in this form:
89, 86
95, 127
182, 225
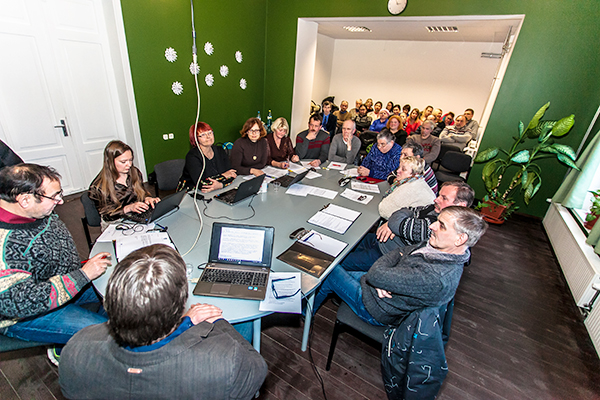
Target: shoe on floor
53, 356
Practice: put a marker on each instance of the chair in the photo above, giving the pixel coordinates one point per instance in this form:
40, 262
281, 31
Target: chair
444, 148
455, 163
168, 174
92, 217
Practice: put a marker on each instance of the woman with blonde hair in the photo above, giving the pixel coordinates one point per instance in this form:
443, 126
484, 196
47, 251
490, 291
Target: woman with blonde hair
250, 152
119, 188
281, 150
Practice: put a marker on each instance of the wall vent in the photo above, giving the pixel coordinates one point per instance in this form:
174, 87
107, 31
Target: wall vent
442, 29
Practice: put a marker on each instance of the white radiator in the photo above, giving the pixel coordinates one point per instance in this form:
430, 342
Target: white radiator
580, 265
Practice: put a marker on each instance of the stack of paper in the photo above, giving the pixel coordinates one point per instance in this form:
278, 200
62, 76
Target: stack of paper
334, 218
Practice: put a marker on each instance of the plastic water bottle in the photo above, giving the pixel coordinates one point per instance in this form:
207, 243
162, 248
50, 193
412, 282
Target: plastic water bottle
258, 116
269, 121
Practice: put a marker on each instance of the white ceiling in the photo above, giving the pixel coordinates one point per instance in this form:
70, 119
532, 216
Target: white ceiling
470, 28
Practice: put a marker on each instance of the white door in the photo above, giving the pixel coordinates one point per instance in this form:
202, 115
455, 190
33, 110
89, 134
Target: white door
56, 66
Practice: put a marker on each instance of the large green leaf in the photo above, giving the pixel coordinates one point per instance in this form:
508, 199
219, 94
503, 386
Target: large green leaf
542, 128
491, 174
538, 115
521, 157
563, 126
566, 160
528, 194
487, 154
521, 127
564, 149
524, 178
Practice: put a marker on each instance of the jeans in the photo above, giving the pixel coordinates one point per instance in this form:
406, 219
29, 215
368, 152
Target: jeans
59, 325
345, 284
363, 255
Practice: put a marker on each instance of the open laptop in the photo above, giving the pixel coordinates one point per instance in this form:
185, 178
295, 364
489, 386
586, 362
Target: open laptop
288, 180
239, 262
161, 208
246, 189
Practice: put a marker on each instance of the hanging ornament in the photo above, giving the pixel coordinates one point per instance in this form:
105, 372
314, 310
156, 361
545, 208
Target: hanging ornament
194, 68
209, 79
224, 70
238, 56
243, 83
177, 88
208, 48
170, 54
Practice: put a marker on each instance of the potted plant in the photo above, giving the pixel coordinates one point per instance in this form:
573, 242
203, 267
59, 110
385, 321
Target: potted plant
533, 143
594, 213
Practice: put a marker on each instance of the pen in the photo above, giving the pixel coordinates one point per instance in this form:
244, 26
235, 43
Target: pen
308, 238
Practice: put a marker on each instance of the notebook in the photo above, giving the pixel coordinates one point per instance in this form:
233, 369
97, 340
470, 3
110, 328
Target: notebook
246, 189
239, 262
288, 180
161, 208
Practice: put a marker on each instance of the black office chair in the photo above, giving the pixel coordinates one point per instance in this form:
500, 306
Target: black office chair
92, 217
168, 174
454, 163
444, 148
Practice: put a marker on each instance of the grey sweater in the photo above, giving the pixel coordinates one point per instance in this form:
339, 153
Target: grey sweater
338, 151
415, 281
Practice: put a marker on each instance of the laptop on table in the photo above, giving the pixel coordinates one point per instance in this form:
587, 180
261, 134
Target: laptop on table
288, 180
161, 208
239, 262
246, 189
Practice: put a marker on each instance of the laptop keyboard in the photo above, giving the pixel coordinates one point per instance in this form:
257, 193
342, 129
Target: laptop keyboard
285, 180
141, 217
229, 196
245, 278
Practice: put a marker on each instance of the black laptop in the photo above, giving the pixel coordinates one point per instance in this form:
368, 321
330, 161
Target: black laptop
289, 180
239, 262
161, 208
246, 189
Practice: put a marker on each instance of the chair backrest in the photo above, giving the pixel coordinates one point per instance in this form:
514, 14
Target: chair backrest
444, 148
168, 173
456, 161
91, 213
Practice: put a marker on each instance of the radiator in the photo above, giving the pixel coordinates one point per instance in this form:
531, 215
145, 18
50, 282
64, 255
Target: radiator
580, 265
592, 323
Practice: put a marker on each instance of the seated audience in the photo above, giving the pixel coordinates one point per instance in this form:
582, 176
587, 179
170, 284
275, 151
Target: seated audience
7, 156
313, 143
345, 146
369, 104
281, 150
431, 144
437, 115
380, 122
119, 188
153, 348
329, 120
342, 114
250, 153
447, 120
44, 283
413, 121
362, 120
472, 125
409, 188
426, 113
207, 159
382, 159
394, 127
375, 113
390, 106
419, 276
354, 111
406, 109
413, 149
458, 134
396, 110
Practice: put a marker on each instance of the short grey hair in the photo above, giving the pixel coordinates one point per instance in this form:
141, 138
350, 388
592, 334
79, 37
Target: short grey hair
467, 221
429, 122
387, 135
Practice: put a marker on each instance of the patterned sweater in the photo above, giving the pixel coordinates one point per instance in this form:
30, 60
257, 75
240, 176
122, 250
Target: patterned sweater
39, 269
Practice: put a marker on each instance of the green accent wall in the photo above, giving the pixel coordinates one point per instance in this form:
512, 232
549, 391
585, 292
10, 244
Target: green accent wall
555, 59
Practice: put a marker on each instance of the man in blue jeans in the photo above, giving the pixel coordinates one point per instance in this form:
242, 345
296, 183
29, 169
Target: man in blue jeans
42, 281
413, 277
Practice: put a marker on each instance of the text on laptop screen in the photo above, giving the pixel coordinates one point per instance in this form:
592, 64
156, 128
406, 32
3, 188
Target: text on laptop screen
241, 244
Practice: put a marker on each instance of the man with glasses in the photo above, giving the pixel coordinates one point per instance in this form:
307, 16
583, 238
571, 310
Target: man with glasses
42, 281
383, 157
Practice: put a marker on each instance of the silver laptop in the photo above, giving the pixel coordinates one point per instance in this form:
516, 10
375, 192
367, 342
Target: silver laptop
246, 189
239, 262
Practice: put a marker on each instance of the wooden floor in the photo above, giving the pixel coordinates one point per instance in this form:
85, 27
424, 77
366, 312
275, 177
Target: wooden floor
516, 334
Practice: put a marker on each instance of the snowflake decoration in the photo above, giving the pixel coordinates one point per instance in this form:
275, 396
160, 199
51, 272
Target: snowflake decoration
243, 84
238, 56
170, 54
194, 68
209, 79
208, 48
177, 88
224, 71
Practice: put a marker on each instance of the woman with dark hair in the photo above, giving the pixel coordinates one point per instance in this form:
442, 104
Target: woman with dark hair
390, 106
413, 121
119, 189
205, 161
250, 153
281, 150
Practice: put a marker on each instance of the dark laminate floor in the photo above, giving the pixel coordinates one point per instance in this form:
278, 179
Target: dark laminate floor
516, 334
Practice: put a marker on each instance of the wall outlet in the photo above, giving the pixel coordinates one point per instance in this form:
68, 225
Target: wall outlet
165, 137
171, 136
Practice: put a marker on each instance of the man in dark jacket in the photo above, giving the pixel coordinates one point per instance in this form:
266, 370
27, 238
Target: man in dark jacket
416, 277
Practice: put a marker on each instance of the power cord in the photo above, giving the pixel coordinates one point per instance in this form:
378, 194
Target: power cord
226, 217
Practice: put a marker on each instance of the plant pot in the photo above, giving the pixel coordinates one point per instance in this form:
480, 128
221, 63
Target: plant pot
493, 213
590, 224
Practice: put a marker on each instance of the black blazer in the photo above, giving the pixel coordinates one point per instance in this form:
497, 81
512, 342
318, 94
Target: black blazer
331, 124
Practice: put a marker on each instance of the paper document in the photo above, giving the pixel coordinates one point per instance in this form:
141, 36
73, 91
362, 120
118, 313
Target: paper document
306, 164
312, 175
287, 296
334, 218
273, 172
297, 168
111, 233
299, 189
365, 187
353, 172
336, 165
324, 243
128, 244
356, 196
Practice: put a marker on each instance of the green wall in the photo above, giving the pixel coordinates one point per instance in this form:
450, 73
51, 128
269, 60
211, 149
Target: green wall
556, 59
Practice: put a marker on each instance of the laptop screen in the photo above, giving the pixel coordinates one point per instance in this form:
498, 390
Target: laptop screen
235, 244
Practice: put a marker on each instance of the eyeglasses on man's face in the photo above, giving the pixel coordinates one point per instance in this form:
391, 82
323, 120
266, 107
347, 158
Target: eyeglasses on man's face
57, 198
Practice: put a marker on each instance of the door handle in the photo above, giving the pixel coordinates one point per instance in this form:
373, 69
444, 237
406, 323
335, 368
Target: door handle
63, 125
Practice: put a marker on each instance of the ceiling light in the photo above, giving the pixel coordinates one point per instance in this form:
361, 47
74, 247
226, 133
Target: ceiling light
491, 55
357, 29
442, 29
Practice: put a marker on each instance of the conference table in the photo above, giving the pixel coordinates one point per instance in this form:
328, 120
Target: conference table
284, 212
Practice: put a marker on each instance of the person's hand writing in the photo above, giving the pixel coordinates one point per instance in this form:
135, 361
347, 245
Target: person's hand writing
256, 172
384, 233
383, 293
96, 265
203, 312
315, 163
137, 207
295, 158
